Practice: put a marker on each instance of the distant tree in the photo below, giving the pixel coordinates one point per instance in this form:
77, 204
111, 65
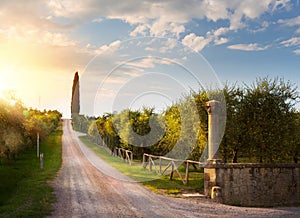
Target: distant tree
139, 130
107, 131
93, 133
81, 123
42, 122
75, 101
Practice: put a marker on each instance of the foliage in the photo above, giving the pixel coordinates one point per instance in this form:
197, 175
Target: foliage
232, 142
294, 137
261, 122
40, 122
106, 130
139, 131
19, 126
93, 133
81, 123
262, 125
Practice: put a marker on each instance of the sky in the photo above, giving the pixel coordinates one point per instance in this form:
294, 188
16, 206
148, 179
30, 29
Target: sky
134, 53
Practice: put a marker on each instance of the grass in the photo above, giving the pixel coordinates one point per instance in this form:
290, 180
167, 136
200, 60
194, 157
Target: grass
151, 180
25, 189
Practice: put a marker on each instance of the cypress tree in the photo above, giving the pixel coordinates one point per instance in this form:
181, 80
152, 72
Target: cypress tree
75, 104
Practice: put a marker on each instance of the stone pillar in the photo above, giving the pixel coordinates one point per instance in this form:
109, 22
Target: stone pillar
214, 136
213, 180
211, 184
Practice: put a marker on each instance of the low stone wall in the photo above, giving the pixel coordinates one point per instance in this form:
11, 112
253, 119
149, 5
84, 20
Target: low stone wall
253, 184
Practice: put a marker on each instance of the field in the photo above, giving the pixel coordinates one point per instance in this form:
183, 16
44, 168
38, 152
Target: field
25, 189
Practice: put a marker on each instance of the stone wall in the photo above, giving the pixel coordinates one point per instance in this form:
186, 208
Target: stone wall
253, 184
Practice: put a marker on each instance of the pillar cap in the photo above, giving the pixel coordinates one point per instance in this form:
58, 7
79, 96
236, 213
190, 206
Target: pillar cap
213, 106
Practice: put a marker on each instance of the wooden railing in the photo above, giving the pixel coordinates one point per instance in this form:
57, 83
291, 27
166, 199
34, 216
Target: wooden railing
124, 154
149, 159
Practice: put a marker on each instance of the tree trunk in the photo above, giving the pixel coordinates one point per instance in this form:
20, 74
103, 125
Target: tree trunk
235, 156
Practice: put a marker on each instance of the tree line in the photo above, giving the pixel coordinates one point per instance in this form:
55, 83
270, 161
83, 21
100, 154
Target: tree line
19, 126
262, 125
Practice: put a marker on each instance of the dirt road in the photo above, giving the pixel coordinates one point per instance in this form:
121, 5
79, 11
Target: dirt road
83, 190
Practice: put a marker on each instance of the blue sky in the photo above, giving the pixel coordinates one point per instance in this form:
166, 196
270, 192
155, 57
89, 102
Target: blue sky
43, 43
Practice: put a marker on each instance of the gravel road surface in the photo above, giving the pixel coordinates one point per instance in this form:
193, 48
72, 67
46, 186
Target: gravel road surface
84, 189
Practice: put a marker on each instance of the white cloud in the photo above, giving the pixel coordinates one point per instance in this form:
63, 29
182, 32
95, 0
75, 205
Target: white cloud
147, 63
247, 47
140, 30
290, 22
166, 18
221, 31
195, 42
281, 4
263, 27
221, 41
291, 42
297, 51
169, 45
252, 9
162, 27
108, 49
215, 10
200, 42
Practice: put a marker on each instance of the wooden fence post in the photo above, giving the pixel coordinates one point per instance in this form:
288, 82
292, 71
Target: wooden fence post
160, 165
150, 164
187, 173
41, 161
144, 157
172, 164
172, 171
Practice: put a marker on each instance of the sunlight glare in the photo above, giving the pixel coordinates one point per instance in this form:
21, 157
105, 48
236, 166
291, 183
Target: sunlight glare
5, 73
12, 102
1, 89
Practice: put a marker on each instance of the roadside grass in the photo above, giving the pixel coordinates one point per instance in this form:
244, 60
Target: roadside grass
25, 189
153, 181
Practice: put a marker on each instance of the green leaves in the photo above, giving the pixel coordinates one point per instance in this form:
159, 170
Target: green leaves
261, 125
19, 126
259, 121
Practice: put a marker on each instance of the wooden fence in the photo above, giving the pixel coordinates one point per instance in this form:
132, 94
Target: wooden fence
124, 154
149, 159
